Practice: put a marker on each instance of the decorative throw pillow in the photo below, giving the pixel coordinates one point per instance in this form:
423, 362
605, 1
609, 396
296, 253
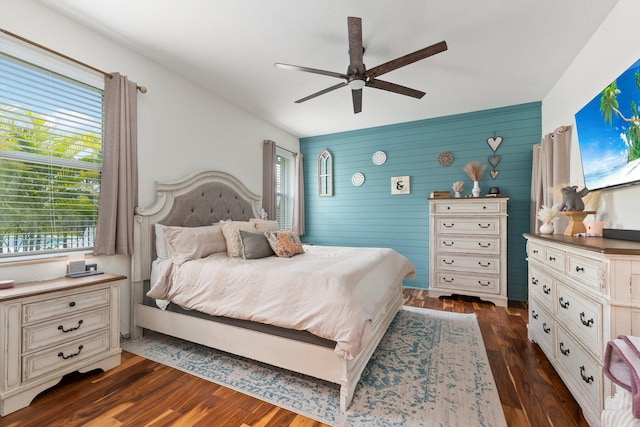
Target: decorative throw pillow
162, 252
285, 243
189, 243
255, 245
265, 224
231, 232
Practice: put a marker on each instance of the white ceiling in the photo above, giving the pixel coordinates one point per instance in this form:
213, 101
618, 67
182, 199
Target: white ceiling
501, 52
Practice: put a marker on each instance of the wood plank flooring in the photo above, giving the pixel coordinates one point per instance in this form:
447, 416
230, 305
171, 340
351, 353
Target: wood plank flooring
144, 393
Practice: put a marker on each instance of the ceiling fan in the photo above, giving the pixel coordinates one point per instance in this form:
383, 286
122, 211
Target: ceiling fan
357, 75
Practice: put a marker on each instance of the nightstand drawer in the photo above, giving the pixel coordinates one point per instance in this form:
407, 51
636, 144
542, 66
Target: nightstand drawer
63, 306
466, 225
44, 334
63, 356
476, 245
455, 207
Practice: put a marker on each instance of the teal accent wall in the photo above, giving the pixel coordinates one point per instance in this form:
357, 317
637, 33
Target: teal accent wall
369, 216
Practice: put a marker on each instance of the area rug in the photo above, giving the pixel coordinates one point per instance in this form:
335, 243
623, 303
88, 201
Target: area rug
430, 369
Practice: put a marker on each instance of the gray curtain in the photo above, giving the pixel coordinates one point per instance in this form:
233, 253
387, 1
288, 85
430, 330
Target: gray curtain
269, 178
298, 209
551, 161
119, 183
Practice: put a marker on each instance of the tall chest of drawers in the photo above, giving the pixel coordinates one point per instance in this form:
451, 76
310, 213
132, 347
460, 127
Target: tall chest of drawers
51, 328
583, 292
468, 248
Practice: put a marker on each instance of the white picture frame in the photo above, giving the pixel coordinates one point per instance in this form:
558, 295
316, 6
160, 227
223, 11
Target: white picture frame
401, 185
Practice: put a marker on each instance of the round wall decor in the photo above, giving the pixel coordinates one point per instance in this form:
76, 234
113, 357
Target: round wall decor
445, 158
357, 179
379, 157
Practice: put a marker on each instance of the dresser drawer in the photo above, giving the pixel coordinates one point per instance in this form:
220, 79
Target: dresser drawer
455, 207
541, 286
467, 282
473, 263
52, 332
476, 245
582, 316
555, 259
536, 252
542, 328
466, 225
63, 356
62, 306
584, 372
587, 271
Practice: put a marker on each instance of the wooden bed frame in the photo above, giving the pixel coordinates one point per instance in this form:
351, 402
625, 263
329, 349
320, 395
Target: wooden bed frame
202, 199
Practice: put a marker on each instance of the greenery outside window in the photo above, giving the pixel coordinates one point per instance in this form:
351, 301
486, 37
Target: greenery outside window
50, 156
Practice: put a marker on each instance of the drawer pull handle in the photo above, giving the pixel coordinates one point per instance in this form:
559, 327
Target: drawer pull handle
546, 328
484, 284
563, 350
586, 322
484, 207
484, 265
579, 269
534, 314
563, 303
72, 304
448, 225
535, 251
447, 280
448, 243
586, 379
534, 281
484, 245
484, 226
447, 262
61, 328
552, 258
61, 354
546, 290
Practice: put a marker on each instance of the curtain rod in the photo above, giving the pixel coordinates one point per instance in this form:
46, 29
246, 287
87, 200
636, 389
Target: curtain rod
142, 89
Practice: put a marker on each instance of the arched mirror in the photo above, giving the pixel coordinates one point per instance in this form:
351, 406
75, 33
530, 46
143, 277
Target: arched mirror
325, 174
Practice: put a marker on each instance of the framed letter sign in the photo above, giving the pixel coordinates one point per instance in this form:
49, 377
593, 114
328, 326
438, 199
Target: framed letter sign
401, 185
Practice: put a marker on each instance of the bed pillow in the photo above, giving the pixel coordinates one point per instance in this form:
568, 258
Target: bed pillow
255, 245
231, 232
265, 224
189, 243
162, 252
285, 243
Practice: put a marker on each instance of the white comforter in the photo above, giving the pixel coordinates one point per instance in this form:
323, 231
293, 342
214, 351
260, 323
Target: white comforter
332, 292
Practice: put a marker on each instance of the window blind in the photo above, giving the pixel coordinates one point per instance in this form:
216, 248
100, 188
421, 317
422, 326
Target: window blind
50, 159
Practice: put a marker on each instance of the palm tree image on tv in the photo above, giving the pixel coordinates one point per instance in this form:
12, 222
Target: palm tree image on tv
609, 133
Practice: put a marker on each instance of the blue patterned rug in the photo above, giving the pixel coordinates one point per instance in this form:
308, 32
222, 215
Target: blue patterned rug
430, 369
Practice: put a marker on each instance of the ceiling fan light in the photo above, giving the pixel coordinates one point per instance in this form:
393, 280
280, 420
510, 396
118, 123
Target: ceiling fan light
356, 84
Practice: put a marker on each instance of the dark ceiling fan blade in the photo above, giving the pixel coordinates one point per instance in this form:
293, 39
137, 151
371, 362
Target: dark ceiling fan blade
392, 87
407, 59
310, 70
355, 45
356, 95
322, 92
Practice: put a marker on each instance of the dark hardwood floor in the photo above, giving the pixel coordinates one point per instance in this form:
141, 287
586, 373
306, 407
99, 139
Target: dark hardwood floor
144, 393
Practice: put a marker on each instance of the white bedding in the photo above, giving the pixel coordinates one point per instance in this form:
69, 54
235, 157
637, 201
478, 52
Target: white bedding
332, 292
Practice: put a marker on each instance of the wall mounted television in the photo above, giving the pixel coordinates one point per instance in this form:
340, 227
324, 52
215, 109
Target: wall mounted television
609, 133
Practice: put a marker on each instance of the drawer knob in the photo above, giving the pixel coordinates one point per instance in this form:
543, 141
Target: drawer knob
546, 290
72, 304
552, 258
546, 328
484, 245
535, 251
484, 226
61, 354
563, 303
579, 269
586, 379
587, 323
61, 328
534, 314
563, 350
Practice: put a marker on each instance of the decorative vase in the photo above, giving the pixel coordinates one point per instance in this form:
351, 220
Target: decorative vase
457, 195
476, 189
546, 228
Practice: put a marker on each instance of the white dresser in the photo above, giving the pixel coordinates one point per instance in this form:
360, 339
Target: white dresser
583, 292
468, 248
51, 328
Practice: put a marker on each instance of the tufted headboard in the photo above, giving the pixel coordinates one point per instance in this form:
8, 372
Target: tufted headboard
198, 200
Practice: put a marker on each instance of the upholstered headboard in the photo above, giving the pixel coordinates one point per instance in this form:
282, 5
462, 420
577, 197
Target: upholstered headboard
198, 200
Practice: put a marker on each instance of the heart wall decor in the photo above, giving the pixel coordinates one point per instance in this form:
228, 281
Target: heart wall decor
494, 143
495, 160
494, 173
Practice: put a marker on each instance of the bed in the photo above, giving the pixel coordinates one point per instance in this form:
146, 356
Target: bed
289, 338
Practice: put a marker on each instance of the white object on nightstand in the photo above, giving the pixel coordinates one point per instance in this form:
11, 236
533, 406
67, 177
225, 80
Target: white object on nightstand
54, 327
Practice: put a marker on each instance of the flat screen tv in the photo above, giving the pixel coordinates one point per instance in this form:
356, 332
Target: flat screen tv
609, 133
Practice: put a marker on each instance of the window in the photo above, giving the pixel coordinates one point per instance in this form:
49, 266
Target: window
285, 188
50, 154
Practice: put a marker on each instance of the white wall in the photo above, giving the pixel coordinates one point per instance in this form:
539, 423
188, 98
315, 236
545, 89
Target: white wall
611, 50
181, 128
